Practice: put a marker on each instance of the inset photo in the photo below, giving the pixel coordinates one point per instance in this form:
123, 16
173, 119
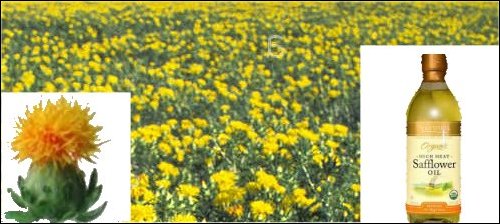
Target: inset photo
429, 127
65, 157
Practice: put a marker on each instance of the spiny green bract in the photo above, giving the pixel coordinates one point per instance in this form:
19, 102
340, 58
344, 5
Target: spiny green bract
56, 193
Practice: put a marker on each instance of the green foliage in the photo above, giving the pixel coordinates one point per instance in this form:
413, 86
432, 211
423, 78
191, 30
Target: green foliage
57, 194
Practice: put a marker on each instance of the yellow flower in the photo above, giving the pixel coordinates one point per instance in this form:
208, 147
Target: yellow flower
184, 218
308, 134
348, 206
332, 144
225, 108
140, 193
336, 130
195, 69
356, 187
315, 207
179, 155
240, 126
28, 78
268, 181
76, 86
334, 82
296, 107
261, 209
227, 196
304, 82
225, 179
285, 154
299, 192
154, 104
235, 211
49, 87
242, 149
60, 132
200, 123
142, 180
170, 109
252, 186
287, 203
112, 79
166, 92
334, 93
202, 141
224, 118
18, 87
275, 97
318, 158
168, 169
162, 183
46, 70
299, 195
186, 124
269, 147
165, 148
187, 140
331, 179
142, 213
188, 190
223, 138
136, 118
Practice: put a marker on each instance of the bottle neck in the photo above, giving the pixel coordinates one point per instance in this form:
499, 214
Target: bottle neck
433, 85
434, 76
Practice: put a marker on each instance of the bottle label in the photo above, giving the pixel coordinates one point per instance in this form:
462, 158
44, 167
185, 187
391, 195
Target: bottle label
433, 168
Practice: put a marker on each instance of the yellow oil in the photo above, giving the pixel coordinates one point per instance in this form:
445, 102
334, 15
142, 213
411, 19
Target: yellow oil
433, 102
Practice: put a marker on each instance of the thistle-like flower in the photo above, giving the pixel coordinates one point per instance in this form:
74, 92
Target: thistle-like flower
55, 138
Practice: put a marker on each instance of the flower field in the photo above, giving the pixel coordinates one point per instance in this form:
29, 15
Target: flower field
226, 124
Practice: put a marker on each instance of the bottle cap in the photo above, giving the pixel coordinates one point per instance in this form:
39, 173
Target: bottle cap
434, 67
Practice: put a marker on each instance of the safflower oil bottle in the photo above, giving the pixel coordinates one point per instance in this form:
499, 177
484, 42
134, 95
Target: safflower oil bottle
433, 148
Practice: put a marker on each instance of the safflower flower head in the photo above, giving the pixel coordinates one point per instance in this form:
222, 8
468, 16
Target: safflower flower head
59, 133
184, 218
261, 209
55, 138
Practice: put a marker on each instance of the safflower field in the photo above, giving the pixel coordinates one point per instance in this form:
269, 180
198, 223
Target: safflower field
226, 124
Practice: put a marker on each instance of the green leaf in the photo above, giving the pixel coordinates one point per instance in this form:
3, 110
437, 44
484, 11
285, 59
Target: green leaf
20, 185
68, 215
93, 181
92, 198
447, 185
20, 182
91, 215
19, 216
17, 199
26, 195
